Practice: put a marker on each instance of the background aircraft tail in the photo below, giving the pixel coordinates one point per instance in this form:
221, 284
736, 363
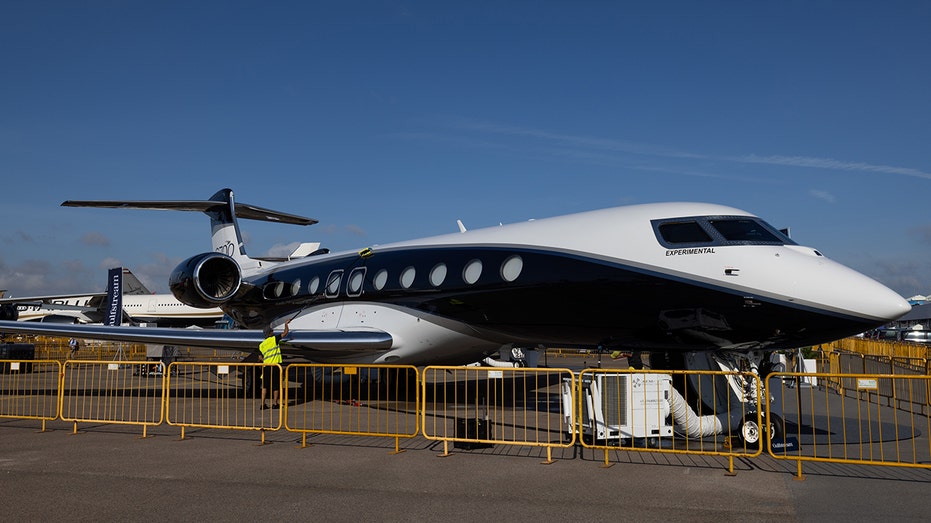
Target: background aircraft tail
132, 285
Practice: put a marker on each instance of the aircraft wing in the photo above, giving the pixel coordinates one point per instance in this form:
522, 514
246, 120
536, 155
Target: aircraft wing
319, 340
51, 298
46, 306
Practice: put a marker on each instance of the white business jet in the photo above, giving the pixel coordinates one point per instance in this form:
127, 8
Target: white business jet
665, 278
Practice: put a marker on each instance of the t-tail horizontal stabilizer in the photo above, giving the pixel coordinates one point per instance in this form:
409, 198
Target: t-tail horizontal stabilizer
223, 212
214, 204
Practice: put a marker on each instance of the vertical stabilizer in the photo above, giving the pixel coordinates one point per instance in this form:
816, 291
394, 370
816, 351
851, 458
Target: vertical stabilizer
225, 235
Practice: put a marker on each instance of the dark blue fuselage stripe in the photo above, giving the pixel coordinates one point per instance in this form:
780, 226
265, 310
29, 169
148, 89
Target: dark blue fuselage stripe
559, 296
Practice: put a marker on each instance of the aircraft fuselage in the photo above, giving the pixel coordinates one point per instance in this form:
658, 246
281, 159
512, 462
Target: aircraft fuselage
602, 278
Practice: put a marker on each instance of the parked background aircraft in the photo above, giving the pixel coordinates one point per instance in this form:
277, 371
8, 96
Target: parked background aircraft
668, 277
139, 306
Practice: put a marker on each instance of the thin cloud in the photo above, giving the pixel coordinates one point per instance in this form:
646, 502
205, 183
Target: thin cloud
95, 239
154, 274
109, 263
923, 233
17, 237
898, 274
829, 163
587, 144
355, 230
40, 277
823, 195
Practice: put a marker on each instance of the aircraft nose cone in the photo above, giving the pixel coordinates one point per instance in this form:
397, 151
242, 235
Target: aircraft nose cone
859, 294
891, 306
875, 300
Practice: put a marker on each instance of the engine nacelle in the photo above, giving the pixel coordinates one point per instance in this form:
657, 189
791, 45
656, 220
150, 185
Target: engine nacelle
8, 312
206, 280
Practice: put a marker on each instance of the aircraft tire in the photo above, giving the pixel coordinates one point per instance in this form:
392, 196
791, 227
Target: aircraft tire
752, 435
777, 428
750, 432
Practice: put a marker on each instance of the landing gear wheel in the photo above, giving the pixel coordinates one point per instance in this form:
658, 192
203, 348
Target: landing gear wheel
749, 431
752, 435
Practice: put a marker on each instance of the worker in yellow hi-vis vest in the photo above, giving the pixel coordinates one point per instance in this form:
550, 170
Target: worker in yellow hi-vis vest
270, 354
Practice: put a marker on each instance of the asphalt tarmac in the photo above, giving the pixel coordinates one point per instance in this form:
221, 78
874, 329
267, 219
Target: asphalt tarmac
108, 472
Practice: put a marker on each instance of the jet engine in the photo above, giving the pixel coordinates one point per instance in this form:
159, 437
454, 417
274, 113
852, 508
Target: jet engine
206, 280
8, 312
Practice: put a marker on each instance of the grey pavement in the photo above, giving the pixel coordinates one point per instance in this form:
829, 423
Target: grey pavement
108, 472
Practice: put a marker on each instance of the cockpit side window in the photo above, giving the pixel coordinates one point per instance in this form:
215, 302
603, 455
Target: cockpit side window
683, 232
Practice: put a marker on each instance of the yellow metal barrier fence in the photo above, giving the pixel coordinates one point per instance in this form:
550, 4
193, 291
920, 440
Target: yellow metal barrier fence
716, 413
54, 348
30, 389
845, 364
859, 418
222, 396
57, 348
896, 349
362, 400
481, 406
867, 419
112, 392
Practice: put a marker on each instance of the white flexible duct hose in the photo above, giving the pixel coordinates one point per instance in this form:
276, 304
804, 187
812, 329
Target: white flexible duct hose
497, 363
695, 426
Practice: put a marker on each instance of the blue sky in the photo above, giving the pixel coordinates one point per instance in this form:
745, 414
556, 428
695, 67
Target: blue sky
390, 120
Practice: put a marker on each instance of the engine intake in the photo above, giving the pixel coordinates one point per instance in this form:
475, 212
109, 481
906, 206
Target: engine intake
8, 312
206, 280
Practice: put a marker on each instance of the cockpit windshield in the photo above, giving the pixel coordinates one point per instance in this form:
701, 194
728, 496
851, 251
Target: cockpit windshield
709, 231
743, 230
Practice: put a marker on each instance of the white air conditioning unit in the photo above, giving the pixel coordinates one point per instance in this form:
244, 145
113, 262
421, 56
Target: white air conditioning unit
621, 406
